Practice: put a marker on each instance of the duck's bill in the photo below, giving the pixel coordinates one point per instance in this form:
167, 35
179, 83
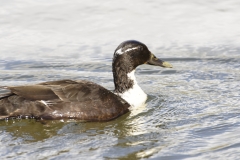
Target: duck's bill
158, 62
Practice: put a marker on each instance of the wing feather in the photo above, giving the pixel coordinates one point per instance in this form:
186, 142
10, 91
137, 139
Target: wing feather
64, 90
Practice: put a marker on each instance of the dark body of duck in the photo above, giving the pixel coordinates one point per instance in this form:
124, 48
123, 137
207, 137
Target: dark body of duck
83, 100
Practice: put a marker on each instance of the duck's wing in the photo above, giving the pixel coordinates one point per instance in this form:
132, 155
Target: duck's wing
41, 91
76, 91
33, 92
63, 90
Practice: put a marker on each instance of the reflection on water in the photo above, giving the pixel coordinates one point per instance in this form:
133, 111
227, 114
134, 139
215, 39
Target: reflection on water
192, 111
30, 130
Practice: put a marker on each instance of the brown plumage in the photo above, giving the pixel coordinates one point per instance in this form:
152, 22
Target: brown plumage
63, 99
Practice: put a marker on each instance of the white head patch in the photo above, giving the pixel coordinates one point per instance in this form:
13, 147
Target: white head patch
119, 51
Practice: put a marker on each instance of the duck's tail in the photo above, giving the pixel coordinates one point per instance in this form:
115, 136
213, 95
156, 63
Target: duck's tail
5, 94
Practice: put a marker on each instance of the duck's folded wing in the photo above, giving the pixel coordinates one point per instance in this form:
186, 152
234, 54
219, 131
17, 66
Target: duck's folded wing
41, 91
78, 91
68, 91
82, 91
34, 92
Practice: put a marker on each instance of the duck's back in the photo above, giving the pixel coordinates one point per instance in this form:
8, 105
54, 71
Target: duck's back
63, 99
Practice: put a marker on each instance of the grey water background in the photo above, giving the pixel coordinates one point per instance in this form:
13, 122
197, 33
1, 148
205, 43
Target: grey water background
192, 110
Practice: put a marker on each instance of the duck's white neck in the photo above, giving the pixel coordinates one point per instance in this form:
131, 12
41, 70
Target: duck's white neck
135, 95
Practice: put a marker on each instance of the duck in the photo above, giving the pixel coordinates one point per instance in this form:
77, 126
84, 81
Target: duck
81, 99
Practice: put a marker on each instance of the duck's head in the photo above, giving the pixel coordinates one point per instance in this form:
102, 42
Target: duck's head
134, 53
127, 56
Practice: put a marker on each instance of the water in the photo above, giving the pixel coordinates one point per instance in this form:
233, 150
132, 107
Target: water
192, 110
